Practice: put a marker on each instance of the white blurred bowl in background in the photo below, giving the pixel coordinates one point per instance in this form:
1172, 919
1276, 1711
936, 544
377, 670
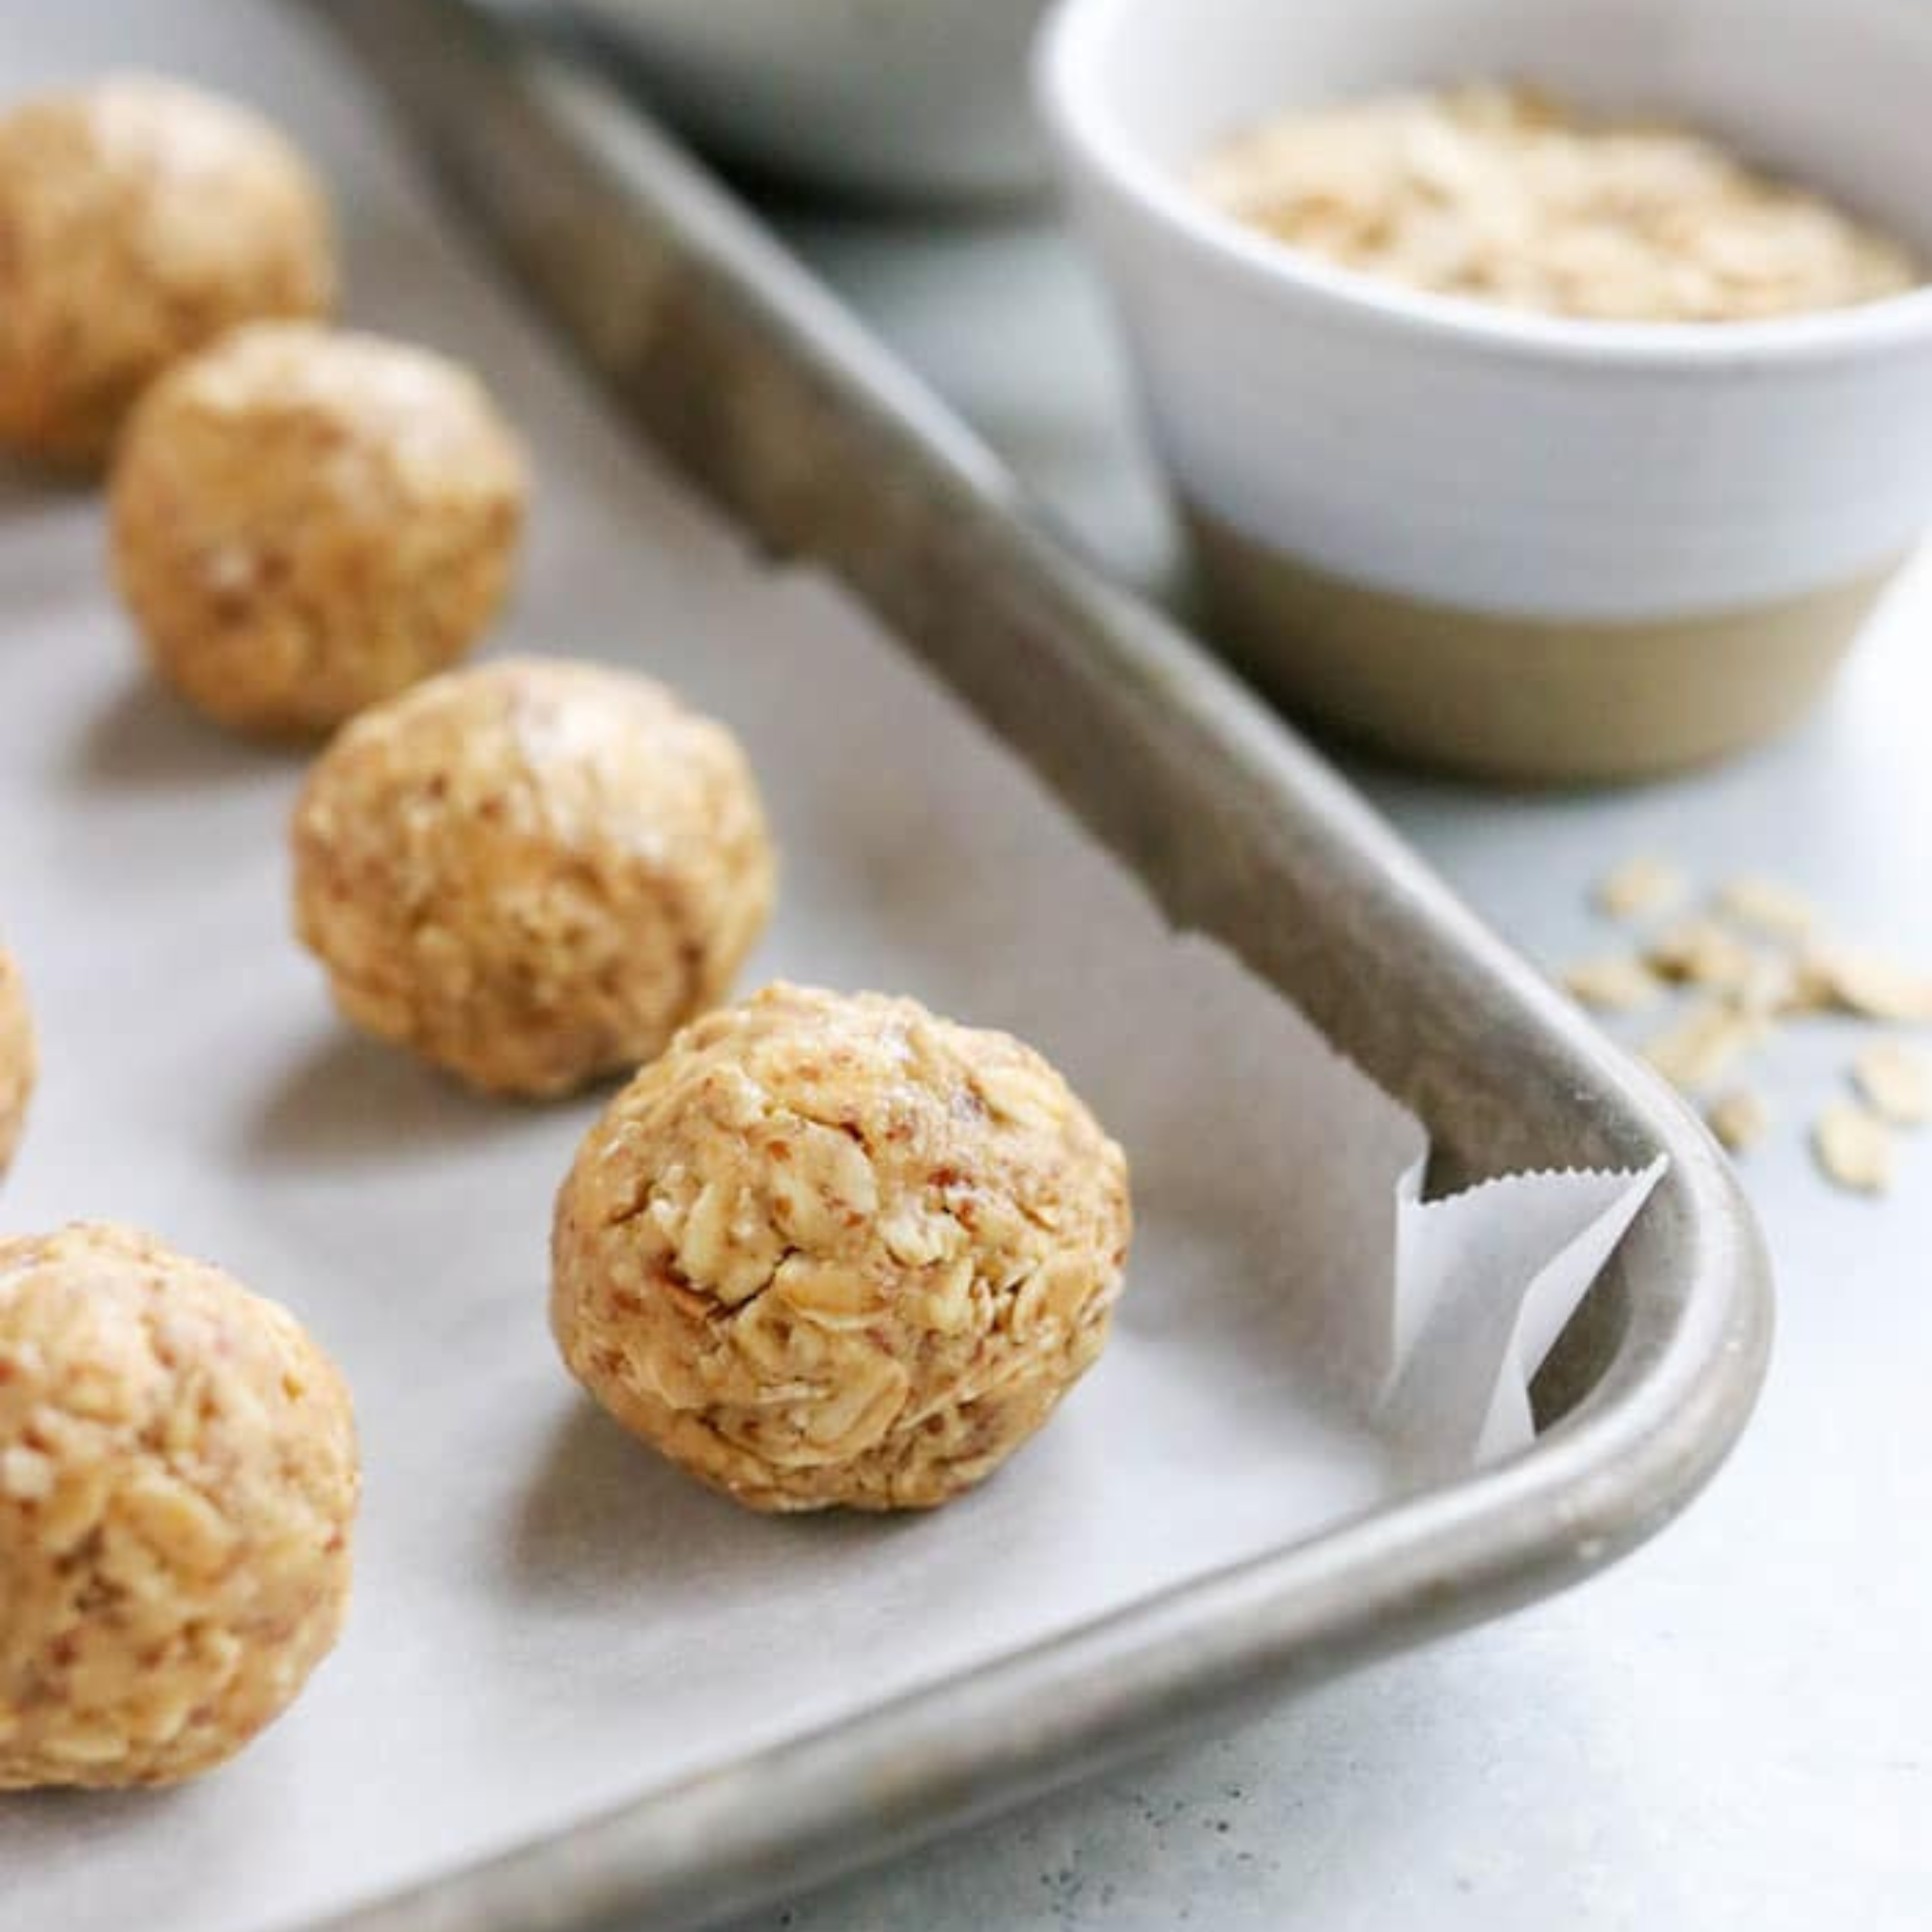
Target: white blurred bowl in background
896, 98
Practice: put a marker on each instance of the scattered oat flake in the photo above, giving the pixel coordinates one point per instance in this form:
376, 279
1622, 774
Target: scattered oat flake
1701, 952
1866, 983
1740, 1118
1768, 905
1697, 1050
1853, 1148
1770, 989
1808, 990
1640, 887
1896, 1080
1615, 984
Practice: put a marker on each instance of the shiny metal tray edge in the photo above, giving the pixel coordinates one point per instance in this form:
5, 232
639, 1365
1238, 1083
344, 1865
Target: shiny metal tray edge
754, 381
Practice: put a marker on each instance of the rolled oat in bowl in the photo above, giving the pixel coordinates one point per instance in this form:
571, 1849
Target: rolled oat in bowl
1500, 194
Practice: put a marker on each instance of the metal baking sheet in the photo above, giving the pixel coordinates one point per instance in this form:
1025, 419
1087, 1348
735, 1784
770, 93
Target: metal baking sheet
779, 405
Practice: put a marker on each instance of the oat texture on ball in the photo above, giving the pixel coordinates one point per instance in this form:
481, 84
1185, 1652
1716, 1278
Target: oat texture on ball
530, 872
139, 219
18, 1061
831, 1249
178, 1485
307, 521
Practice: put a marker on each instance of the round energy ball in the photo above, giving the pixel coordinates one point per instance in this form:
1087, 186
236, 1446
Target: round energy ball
531, 873
832, 1250
306, 522
18, 1062
177, 1482
139, 219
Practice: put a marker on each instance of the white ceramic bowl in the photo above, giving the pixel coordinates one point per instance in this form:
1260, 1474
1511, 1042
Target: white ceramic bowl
1519, 544
893, 97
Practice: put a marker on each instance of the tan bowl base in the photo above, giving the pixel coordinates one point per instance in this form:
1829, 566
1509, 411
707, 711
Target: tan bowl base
1519, 699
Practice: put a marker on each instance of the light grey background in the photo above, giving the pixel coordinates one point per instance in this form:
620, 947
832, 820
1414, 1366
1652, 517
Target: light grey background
1734, 1729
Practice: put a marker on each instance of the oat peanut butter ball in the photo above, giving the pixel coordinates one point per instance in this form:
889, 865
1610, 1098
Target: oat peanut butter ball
831, 1249
530, 872
306, 522
18, 1063
139, 219
178, 1484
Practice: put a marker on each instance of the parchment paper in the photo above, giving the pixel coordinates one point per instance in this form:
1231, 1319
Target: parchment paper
548, 1620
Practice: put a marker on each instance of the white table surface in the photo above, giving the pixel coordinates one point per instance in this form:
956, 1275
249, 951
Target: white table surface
1733, 1728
